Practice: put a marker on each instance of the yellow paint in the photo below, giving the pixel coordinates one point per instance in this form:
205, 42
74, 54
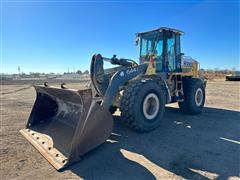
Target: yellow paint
195, 69
150, 68
191, 71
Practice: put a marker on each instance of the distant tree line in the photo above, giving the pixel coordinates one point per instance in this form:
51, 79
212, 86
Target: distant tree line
78, 72
39, 75
217, 70
216, 73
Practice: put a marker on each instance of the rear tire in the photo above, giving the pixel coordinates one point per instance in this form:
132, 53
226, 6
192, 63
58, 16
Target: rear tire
194, 96
143, 105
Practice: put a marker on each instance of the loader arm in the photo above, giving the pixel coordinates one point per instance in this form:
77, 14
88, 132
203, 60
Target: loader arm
108, 82
100, 77
119, 79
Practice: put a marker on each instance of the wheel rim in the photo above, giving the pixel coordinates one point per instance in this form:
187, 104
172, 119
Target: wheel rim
199, 97
151, 106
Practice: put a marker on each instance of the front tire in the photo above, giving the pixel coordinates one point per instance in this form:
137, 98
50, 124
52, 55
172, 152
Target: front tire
143, 105
194, 96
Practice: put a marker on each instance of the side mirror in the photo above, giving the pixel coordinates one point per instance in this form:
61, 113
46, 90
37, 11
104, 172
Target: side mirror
137, 40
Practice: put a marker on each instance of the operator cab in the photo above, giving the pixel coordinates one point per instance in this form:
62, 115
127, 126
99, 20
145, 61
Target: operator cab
161, 47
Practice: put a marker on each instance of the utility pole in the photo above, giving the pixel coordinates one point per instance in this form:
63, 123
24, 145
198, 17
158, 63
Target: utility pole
19, 70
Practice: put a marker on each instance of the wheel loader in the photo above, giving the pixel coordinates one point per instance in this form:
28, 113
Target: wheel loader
67, 123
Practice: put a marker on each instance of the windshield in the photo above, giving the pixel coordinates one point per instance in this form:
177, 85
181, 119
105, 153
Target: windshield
152, 44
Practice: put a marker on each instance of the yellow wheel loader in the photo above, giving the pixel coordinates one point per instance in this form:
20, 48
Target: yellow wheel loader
66, 123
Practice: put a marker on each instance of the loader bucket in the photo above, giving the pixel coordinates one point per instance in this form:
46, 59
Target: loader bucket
65, 124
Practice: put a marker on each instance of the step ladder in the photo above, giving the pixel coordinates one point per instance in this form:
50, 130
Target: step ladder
179, 88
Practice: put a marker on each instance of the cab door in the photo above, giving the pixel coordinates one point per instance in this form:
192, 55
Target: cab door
172, 52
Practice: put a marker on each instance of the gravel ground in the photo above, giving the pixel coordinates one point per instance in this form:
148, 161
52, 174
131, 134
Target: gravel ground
205, 146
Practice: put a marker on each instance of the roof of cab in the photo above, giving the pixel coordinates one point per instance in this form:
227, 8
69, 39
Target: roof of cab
161, 29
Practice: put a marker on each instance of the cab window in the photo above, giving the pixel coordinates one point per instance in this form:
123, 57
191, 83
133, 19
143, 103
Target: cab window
152, 43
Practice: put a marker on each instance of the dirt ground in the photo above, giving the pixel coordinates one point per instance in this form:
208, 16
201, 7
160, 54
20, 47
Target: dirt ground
205, 146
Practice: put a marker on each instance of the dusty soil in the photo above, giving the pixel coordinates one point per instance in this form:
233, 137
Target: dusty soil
205, 146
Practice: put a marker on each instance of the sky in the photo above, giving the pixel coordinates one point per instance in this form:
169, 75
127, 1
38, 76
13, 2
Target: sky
57, 36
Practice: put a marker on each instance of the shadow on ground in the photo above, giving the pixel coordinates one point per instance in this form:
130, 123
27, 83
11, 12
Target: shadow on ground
184, 145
